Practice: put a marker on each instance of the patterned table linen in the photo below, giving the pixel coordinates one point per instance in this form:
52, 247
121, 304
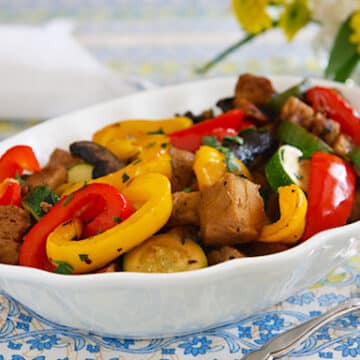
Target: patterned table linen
25, 335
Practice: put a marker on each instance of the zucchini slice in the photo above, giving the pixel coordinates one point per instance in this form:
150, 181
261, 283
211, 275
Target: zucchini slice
285, 168
80, 172
296, 135
37, 201
165, 253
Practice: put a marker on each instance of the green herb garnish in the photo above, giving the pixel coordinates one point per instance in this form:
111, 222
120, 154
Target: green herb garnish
164, 145
211, 141
230, 158
156, 132
187, 189
85, 258
117, 219
63, 267
233, 140
67, 200
20, 179
125, 177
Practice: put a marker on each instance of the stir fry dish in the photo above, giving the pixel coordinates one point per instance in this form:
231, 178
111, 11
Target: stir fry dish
256, 174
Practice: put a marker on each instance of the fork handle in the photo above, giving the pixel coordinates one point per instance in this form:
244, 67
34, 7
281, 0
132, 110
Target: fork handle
294, 336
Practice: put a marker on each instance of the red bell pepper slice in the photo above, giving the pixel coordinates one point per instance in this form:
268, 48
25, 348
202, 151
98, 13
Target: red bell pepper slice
10, 192
101, 205
220, 133
337, 108
331, 193
190, 139
17, 159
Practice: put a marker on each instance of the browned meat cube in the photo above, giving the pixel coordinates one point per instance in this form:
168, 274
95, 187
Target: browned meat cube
185, 209
52, 177
325, 128
231, 212
61, 157
225, 253
251, 111
256, 89
182, 167
14, 222
296, 111
342, 145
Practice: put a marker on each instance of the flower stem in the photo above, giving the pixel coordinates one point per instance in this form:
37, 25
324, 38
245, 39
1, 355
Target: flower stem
203, 69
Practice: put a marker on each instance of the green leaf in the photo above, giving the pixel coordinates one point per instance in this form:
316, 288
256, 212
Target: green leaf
233, 140
210, 141
63, 267
67, 199
85, 258
156, 132
343, 56
125, 177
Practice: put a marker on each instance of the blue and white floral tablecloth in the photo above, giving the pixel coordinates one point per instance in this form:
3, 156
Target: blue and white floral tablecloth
26, 335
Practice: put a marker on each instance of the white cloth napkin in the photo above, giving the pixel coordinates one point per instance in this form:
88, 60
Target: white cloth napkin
44, 72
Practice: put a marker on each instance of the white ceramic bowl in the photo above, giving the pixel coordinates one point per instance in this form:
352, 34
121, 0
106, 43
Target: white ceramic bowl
154, 305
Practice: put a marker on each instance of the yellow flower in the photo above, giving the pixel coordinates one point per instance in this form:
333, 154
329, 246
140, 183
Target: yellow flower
355, 27
295, 16
252, 15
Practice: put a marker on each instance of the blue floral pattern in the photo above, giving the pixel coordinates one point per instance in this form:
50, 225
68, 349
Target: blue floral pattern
24, 335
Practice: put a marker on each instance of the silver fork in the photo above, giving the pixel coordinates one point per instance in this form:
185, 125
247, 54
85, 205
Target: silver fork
288, 340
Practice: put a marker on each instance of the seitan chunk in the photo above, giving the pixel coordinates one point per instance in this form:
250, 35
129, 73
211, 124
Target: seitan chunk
61, 157
296, 111
256, 89
14, 222
185, 209
182, 168
343, 145
52, 177
225, 253
231, 212
251, 111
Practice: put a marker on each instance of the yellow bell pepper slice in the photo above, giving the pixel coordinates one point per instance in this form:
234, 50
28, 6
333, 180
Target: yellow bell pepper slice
290, 227
150, 193
154, 160
209, 166
121, 137
130, 148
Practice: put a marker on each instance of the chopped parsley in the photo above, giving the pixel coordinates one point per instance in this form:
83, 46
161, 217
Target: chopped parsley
20, 179
164, 145
230, 158
67, 200
233, 140
211, 141
156, 132
187, 189
117, 219
85, 258
125, 177
63, 267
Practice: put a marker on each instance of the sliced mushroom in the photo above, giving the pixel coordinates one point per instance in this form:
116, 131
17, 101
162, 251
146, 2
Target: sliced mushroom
104, 161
